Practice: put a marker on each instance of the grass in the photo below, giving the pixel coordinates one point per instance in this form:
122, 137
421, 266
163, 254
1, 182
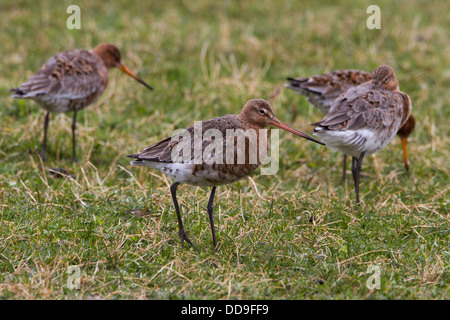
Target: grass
301, 238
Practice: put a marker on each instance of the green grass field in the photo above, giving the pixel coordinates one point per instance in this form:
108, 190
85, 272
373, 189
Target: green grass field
294, 235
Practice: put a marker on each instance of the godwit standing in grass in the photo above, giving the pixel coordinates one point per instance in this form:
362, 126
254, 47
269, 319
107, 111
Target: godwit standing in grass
256, 114
322, 90
365, 118
70, 81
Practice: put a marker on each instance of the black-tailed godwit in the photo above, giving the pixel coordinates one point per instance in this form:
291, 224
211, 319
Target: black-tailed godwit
257, 114
70, 81
322, 90
364, 119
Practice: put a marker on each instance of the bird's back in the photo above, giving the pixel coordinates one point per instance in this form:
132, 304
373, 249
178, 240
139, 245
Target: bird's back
67, 81
322, 90
364, 118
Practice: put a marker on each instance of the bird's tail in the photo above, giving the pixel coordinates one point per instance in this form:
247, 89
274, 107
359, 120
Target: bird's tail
18, 93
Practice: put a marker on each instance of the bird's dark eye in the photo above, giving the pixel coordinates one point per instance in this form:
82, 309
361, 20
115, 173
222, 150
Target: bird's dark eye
262, 111
386, 79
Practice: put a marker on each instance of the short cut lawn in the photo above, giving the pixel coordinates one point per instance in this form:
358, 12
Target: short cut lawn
293, 235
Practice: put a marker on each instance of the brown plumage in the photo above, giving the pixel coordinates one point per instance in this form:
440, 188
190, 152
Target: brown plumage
364, 119
70, 81
322, 90
190, 155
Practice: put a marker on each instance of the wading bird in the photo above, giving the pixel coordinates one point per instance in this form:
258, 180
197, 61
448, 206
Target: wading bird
364, 119
70, 81
256, 115
322, 90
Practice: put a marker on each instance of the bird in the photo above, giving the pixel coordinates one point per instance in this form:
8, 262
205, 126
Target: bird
321, 91
70, 81
256, 115
365, 118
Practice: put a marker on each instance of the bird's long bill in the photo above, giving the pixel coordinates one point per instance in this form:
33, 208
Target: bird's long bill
281, 125
405, 153
131, 74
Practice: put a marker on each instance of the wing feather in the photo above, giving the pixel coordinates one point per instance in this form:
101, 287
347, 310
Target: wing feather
162, 151
364, 107
75, 74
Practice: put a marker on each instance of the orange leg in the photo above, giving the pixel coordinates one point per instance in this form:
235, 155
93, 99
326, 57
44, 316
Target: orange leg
405, 153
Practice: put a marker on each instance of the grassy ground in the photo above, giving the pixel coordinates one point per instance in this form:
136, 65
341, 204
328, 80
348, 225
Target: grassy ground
300, 238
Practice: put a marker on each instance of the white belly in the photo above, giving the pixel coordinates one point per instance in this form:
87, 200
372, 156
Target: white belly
183, 172
353, 142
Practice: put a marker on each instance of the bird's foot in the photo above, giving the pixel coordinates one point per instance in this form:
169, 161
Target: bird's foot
357, 205
407, 169
183, 237
60, 172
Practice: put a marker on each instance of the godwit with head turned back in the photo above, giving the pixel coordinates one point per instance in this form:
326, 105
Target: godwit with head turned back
322, 90
70, 81
365, 118
256, 114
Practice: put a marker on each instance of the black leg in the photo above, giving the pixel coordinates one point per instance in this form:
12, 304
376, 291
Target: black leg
44, 142
181, 233
211, 216
356, 170
344, 169
354, 173
74, 124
